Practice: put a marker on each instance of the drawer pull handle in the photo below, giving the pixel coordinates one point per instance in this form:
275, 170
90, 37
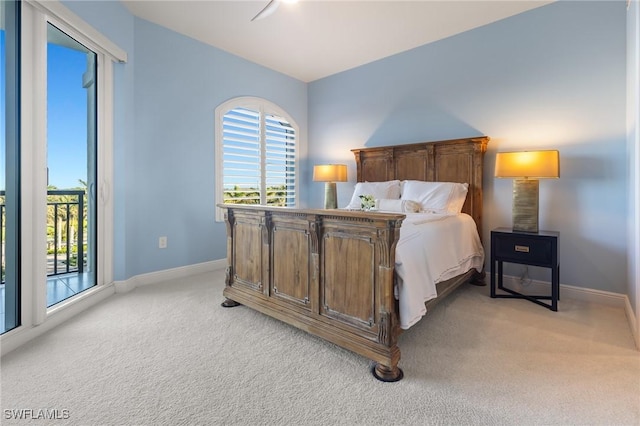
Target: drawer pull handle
522, 249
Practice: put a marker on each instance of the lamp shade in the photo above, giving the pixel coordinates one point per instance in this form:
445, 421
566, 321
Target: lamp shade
528, 164
330, 173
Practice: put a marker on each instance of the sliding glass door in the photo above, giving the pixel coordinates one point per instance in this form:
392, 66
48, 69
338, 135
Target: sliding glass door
71, 166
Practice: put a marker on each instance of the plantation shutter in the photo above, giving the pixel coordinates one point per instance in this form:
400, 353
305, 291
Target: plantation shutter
241, 154
280, 155
258, 158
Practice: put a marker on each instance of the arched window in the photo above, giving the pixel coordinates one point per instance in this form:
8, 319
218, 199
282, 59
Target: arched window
256, 154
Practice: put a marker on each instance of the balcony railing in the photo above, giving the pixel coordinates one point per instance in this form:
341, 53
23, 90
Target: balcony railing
66, 232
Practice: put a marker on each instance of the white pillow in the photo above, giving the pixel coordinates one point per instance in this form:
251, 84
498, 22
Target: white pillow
388, 190
436, 197
398, 206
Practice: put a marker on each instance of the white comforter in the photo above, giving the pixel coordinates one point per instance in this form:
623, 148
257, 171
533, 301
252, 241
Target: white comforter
432, 248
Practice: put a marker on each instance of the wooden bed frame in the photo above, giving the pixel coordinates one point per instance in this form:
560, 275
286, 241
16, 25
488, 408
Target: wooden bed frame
331, 272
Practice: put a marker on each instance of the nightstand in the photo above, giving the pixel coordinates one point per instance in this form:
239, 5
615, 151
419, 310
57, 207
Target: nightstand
525, 248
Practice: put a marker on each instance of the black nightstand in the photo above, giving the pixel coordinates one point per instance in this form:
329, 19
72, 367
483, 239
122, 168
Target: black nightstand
534, 249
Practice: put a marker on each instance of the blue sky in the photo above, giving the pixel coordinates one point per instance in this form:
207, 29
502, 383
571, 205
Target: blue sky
66, 117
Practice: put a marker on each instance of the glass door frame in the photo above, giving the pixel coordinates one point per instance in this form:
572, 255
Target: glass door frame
11, 17
75, 223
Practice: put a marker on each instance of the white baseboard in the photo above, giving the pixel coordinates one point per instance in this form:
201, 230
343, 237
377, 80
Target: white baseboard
567, 291
169, 274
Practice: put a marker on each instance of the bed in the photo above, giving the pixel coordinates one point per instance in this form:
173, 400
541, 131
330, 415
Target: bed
332, 273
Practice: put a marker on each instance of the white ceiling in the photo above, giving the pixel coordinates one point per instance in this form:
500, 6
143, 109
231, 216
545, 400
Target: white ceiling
313, 39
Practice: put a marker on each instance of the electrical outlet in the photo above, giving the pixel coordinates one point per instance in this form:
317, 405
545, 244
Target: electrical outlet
162, 242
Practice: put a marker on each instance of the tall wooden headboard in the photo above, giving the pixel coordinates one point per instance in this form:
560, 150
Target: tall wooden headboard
455, 160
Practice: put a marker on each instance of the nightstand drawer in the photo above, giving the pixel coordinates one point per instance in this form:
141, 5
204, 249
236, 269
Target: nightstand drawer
511, 248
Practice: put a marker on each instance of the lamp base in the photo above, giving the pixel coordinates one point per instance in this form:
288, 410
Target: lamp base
330, 198
525, 205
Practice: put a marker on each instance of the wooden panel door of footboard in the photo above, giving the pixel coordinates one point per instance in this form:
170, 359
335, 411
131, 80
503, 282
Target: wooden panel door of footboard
294, 259
247, 249
348, 277
356, 276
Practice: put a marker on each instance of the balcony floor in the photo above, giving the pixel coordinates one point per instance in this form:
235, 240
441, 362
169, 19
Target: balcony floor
59, 288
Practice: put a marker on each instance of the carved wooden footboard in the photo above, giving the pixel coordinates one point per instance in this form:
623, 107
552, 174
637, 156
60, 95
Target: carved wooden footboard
331, 272
327, 272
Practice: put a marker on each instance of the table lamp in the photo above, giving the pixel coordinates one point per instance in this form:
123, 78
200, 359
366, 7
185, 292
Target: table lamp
330, 174
526, 168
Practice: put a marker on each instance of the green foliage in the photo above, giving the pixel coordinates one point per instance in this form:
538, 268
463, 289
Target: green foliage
276, 196
67, 217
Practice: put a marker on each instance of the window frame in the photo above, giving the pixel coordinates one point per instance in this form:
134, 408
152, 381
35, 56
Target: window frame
264, 107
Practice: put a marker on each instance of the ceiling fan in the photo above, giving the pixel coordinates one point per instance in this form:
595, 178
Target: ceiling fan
270, 8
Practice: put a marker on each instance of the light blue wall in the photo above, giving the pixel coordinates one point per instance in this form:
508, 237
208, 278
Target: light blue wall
178, 84
551, 78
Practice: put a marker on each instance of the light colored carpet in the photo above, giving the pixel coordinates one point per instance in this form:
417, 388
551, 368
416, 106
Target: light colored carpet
168, 354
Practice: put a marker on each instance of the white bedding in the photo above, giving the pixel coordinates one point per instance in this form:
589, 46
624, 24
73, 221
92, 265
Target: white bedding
432, 248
